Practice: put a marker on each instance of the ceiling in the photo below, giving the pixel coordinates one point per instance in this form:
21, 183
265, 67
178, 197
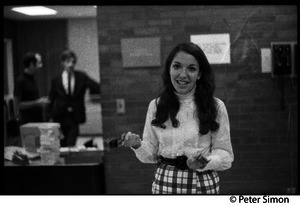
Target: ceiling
62, 12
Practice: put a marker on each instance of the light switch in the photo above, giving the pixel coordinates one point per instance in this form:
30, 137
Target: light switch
120, 103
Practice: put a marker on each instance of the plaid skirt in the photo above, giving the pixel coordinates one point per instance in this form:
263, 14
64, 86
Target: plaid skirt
170, 180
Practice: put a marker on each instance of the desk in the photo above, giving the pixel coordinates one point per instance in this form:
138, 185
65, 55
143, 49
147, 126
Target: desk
81, 173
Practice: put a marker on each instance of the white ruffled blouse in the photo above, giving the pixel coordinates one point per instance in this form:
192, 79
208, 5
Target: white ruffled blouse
186, 139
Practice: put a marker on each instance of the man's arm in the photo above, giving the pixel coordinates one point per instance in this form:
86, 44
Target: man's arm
95, 90
23, 105
93, 86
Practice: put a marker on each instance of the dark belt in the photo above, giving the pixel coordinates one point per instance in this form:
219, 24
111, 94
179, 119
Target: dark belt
178, 162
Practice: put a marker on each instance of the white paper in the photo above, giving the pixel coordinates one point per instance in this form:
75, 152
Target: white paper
265, 60
215, 46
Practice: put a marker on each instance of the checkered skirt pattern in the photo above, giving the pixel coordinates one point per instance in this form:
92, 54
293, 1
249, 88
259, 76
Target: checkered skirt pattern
170, 180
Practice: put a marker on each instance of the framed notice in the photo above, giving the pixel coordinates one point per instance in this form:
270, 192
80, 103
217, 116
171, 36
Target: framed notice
215, 46
141, 52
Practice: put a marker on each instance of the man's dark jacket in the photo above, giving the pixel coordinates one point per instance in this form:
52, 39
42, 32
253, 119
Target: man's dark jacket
60, 101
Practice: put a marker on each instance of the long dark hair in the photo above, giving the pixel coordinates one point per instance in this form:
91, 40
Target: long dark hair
168, 103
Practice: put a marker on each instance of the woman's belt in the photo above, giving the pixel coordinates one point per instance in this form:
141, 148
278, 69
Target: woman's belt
178, 162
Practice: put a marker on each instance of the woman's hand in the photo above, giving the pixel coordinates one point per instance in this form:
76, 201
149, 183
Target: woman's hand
131, 140
196, 162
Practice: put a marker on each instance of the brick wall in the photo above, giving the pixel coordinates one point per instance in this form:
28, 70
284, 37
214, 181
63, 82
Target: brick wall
264, 136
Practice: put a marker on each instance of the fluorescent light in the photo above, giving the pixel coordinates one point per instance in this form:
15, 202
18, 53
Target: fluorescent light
35, 10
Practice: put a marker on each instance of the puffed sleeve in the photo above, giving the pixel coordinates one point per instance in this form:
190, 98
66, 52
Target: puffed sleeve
147, 152
221, 156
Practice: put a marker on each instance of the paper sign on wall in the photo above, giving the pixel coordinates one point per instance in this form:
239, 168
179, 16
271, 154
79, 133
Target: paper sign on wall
215, 46
140, 52
265, 60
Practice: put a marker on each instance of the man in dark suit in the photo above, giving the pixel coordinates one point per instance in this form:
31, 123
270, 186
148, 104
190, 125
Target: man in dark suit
67, 98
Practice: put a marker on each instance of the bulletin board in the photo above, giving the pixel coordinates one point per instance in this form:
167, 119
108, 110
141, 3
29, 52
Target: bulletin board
140, 52
215, 46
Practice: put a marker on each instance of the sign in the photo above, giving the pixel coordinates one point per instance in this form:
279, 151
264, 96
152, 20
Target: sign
265, 60
141, 52
215, 46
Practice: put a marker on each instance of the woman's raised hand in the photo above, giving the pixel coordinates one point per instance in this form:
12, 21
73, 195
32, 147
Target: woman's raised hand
131, 140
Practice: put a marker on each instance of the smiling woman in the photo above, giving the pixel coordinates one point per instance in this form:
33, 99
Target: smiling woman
187, 129
198, 79
184, 72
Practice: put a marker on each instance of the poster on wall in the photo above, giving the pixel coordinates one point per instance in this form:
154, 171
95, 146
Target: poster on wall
140, 52
265, 60
215, 46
